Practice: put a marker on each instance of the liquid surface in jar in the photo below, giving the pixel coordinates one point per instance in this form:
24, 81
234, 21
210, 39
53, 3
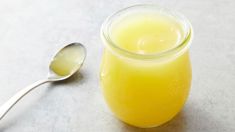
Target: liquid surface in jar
147, 33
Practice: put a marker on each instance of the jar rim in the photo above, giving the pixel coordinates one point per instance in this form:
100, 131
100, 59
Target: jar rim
181, 46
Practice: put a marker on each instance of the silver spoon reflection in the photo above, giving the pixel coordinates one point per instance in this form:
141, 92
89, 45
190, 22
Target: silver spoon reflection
64, 64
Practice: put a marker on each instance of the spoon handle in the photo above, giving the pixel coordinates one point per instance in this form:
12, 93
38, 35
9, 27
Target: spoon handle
13, 100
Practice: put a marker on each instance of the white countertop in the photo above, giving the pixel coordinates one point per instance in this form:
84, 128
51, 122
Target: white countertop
32, 30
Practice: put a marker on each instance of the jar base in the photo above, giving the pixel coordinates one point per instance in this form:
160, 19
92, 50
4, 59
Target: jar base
147, 126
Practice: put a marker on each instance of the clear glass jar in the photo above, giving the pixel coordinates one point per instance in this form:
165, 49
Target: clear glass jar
145, 90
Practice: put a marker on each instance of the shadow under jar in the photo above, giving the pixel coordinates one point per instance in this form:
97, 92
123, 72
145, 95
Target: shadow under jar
145, 70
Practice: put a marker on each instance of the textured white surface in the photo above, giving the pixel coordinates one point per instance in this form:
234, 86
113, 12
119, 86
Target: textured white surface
32, 30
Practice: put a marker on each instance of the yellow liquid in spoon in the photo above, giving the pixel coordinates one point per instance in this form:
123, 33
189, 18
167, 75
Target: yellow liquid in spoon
68, 60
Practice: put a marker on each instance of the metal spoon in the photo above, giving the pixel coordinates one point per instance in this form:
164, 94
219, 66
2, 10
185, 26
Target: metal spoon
53, 74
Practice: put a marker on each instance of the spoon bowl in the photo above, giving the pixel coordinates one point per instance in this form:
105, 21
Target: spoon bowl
74, 63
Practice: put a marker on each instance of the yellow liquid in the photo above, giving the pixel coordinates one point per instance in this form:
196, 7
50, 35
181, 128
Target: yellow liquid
139, 92
68, 60
147, 33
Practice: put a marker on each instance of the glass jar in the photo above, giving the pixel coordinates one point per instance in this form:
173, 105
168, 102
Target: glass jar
145, 90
